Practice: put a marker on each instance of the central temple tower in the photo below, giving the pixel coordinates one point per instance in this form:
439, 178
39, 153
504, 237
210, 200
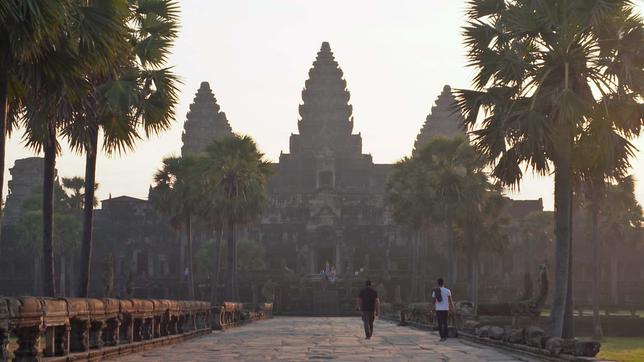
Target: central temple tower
326, 125
326, 154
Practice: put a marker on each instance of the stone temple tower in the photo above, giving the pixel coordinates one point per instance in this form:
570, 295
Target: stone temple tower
325, 154
326, 124
205, 122
443, 120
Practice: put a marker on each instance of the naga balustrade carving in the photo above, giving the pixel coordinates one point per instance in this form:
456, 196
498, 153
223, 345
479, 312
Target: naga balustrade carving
230, 314
92, 329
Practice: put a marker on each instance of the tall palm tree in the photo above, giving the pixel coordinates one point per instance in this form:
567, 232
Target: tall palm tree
410, 196
437, 185
481, 225
175, 194
237, 172
456, 166
601, 156
57, 83
27, 28
540, 65
614, 215
139, 93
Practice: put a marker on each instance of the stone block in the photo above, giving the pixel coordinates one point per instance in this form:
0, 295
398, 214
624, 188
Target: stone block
534, 336
587, 348
516, 336
496, 332
568, 346
483, 332
554, 345
470, 326
452, 332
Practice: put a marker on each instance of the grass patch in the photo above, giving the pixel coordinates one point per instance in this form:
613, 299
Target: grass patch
623, 349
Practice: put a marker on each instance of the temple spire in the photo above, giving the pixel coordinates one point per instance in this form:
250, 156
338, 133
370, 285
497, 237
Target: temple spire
444, 120
204, 122
326, 122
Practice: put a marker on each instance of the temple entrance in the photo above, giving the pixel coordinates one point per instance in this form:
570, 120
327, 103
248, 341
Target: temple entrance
324, 255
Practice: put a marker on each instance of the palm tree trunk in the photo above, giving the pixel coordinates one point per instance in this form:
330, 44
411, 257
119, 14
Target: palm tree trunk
470, 277
231, 263
414, 267
49, 287
235, 265
597, 326
4, 110
88, 215
191, 274
563, 232
217, 266
450, 253
63, 276
476, 267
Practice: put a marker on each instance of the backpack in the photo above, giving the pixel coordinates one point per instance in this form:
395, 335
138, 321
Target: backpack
438, 295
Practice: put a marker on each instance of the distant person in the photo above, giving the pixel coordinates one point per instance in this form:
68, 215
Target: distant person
442, 299
369, 304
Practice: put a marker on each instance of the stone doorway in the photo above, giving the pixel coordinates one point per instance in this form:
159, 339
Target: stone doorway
324, 255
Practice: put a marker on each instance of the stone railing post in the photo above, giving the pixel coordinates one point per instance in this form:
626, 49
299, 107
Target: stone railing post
126, 310
97, 323
80, 324
56, 327
27, 326
110, 333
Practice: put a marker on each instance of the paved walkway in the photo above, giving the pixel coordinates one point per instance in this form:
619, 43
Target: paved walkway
304, 338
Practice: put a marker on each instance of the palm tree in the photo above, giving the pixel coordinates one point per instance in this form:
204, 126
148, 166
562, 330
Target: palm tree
481, 226
138, 93
57, 83
600, 156
236, 172
75, 186
456, 166
410, 196
437, 185
540, 65
175, 194
210, 211
67, 232
614, 214
27, 28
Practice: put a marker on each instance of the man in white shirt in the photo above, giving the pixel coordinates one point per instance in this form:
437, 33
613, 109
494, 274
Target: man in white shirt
442, 298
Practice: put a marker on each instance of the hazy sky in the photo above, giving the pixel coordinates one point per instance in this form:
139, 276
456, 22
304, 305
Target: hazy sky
396, 57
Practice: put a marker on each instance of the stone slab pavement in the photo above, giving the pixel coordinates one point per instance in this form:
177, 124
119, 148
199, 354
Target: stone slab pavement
321, 338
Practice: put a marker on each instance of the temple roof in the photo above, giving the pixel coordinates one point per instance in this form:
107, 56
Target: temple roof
326, 122
444, 120
204, 122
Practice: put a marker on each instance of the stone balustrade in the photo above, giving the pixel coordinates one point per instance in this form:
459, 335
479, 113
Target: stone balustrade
64, 329
235, 314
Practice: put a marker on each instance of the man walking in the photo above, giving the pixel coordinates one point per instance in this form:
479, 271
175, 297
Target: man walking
442, 298
369, 304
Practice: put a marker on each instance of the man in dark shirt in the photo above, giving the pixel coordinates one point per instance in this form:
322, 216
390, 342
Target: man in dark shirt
369, 304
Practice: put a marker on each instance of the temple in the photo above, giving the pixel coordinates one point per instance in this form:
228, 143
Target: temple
326, 210
444, 120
